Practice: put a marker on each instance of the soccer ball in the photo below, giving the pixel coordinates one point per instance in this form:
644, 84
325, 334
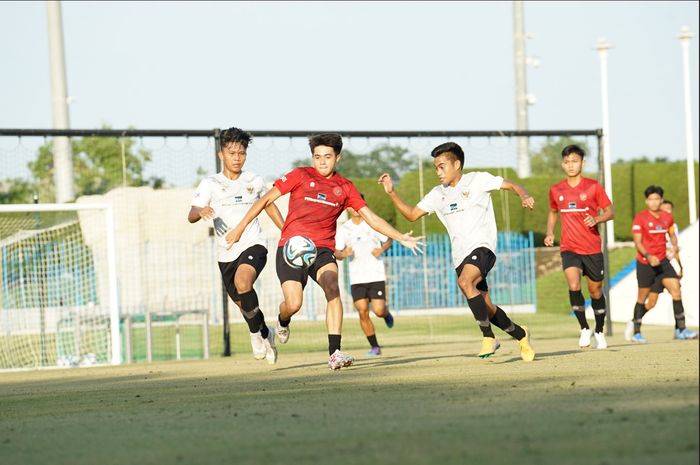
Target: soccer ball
299, 252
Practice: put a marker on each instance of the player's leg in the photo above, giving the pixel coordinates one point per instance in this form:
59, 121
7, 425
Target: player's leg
499, 318
228, 272
469, 276
363, 306
377, 298
646, 275
293, 282
593, 269
573, 269
674, 288
652, 298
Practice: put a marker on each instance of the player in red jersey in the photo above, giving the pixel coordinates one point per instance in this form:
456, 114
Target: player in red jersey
649, 230
318, 195
579, 201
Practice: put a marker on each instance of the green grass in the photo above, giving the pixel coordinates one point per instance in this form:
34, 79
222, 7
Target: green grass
426, 400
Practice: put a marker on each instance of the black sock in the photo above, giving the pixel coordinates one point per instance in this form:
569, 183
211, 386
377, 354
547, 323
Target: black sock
373, 340
639, 312
283, 323
251, 312
333, 343
578, 305
501, 320
264, 331
679, 314
598, 306
481, 313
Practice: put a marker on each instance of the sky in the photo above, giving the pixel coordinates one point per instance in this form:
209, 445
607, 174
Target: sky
354, 66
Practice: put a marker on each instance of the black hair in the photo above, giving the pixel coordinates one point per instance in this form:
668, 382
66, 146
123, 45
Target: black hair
653, 190
335, 141
452, 148
573, 148
231, 135
667, 202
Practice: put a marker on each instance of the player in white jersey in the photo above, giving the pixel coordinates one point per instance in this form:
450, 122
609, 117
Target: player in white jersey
225, 198
462, 202
363, 246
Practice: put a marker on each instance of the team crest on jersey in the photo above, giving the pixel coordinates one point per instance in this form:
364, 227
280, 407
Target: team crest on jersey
321, 196
465, 194
250, 188
651, 224
572, 204
583, 196
337, 191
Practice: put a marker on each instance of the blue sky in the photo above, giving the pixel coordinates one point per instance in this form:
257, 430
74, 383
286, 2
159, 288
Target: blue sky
354, 66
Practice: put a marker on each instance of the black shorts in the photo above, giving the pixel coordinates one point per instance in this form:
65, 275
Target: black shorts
324, 256
483, 259
647, 274
593, 266
373, 291
255, 256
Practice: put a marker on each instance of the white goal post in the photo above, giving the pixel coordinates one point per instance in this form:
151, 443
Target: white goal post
17, 236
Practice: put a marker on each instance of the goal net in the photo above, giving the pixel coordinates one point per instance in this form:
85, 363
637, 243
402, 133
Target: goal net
58, 288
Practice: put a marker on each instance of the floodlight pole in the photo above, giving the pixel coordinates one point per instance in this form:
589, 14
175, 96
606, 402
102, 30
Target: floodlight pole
62, 152
603, 46
685, 37
523, 163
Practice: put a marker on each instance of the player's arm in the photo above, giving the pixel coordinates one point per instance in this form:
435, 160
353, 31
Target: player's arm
552, 217
345, 253
607, 215
674, 243
261, 204
274, 213
637, 238
382, 248
197, 213
526, 199
410, 213
380, 225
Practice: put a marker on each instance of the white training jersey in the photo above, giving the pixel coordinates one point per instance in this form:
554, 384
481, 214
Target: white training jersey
231, 200
364, 267
466, 211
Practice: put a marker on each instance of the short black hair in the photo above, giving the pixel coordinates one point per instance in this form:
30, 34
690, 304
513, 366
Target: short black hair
653, 190
335, 141
231, 135
667, 202
452, 148
573, 148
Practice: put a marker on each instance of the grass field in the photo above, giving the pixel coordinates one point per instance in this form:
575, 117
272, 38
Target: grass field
426, 400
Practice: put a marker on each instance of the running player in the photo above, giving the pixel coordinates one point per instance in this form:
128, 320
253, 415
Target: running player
579, 201
224, 198
649, 230
462, 202
363, 246
318, 195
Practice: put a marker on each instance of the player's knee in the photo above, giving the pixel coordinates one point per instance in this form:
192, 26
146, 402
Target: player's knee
243, 285
293, 304
331, 289
364, 314
466, 284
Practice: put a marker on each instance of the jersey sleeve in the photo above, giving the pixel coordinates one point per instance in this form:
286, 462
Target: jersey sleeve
260, 186
488, 182
601, 197
637, 224
340, 238
353, 198
202, 195
289, 181
427, 203
552, 199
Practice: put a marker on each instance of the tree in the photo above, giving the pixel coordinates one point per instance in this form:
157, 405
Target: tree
98, 166
384, 159
16, 190
547, 161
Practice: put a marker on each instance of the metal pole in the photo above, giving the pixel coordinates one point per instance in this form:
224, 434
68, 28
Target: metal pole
605, 241
603, 46
421, 193
62, 152
685, 37
523, 166
114, 317
224, 295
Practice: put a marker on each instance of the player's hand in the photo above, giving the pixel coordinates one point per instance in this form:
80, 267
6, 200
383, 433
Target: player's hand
220, 226
385, 180
680, 273
206, 213
528, 202
234, 236
377, 252
653, 260
414, 243
549, 240
348, 252
590, 221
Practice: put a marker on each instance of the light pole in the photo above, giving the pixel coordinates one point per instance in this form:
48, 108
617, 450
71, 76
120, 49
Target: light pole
521, 100
685, 37
603, 46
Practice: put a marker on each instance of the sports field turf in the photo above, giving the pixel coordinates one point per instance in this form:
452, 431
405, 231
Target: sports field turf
426, 400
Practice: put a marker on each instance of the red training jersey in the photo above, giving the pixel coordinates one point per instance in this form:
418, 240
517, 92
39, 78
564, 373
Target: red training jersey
315, 203
653, 231
573, 204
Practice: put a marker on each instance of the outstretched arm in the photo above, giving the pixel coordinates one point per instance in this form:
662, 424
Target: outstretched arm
525, 199
234, 235
274, 213
378, 224
551, 222
410, 213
